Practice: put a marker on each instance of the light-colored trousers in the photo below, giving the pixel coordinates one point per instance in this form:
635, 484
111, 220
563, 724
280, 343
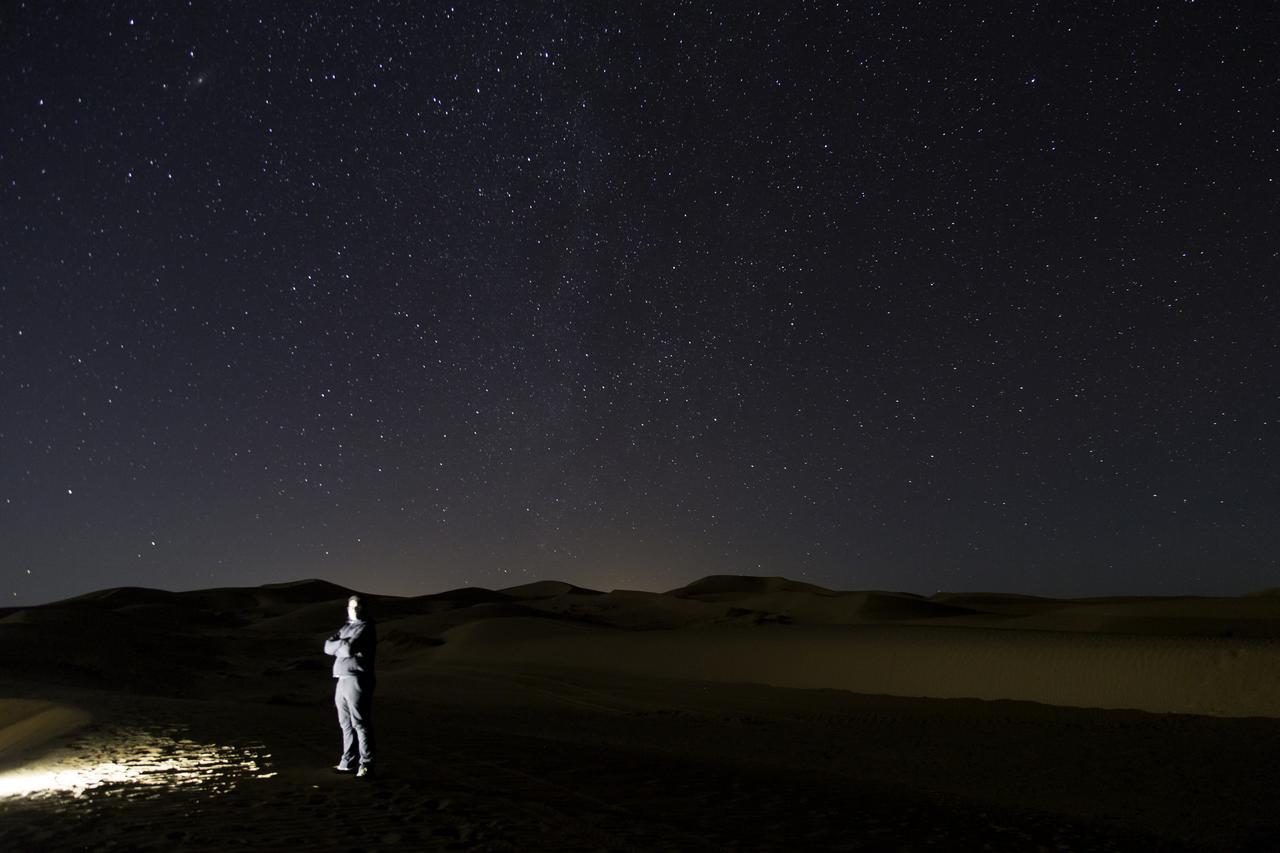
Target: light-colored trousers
354, 698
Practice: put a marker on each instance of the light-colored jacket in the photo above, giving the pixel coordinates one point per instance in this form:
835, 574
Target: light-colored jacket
354, 648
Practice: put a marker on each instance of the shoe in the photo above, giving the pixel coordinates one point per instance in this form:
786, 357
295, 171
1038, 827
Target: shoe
364, 773
344, 770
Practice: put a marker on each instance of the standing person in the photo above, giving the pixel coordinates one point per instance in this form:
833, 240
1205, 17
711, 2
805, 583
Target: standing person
355, 648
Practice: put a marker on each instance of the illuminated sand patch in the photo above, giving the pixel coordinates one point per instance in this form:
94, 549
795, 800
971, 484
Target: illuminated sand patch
119, 759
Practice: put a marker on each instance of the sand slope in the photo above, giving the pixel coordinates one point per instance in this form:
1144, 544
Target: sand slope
734, 713
1150, 673
26, 724
1213, 656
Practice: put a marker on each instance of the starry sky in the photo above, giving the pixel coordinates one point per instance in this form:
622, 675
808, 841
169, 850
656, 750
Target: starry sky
914, 296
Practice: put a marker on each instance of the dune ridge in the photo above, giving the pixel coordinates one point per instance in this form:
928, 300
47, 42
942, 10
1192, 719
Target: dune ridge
1211, 656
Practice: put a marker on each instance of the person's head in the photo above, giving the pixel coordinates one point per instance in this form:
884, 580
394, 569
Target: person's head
355, 607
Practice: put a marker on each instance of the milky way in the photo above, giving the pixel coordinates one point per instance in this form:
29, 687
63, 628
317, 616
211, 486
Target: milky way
411, 297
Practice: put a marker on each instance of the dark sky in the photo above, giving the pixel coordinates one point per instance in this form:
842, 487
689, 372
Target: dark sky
415, 296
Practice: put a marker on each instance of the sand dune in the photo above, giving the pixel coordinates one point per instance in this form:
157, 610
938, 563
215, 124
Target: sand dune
26, 724
729, 587
551, 660
1150, 673
1170, 655
546, 589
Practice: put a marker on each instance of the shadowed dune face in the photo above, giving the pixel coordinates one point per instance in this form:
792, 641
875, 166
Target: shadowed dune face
732, 586
547, 589
879, 605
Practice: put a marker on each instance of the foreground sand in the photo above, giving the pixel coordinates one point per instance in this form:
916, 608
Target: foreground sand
487, 745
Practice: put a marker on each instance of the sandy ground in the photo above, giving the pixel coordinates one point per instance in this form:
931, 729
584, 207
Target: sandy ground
480, 750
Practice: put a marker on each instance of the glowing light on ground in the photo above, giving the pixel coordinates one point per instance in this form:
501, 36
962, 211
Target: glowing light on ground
119, 759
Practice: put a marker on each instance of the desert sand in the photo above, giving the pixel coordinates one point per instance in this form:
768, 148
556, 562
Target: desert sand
737, 713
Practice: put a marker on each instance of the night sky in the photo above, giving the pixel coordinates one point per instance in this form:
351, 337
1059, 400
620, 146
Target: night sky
415, 296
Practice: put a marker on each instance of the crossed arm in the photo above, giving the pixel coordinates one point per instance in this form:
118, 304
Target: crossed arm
347, 647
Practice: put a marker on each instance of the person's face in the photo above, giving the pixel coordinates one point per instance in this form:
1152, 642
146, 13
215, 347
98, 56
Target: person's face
353, 609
